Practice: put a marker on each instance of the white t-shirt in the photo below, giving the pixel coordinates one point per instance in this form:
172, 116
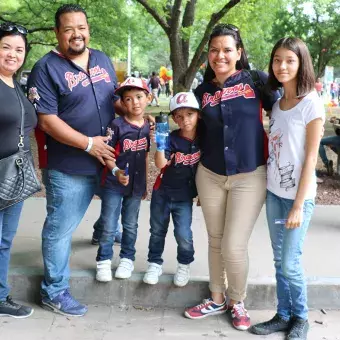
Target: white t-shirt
287, 138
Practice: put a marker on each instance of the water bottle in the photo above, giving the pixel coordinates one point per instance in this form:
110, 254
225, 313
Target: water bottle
162, 131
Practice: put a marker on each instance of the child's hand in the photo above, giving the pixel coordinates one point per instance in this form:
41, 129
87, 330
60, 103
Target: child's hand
122, 179
152, 121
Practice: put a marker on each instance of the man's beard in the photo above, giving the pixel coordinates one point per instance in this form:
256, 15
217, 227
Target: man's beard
72, 51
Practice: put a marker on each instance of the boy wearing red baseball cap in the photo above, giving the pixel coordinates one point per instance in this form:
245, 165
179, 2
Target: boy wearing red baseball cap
125, 184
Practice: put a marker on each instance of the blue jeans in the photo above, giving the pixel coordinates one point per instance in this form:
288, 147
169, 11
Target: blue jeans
161, 208
333, 142
97, 231
9, 220
287, 246
114, 205
97, 227
68, 197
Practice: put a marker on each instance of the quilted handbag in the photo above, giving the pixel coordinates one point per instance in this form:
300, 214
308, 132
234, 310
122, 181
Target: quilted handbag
18, 179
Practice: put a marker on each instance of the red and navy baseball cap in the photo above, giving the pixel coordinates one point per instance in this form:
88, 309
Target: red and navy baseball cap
132, 82
184, 99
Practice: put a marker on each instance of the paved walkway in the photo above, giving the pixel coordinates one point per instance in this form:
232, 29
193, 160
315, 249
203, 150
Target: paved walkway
108, 323
320, 257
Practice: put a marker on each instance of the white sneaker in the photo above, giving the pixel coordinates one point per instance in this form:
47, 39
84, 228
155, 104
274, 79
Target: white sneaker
153, 273
104, 273
124, 269
182, 275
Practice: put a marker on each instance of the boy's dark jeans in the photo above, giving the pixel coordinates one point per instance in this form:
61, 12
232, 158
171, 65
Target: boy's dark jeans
97, 228
114, 205
161, 208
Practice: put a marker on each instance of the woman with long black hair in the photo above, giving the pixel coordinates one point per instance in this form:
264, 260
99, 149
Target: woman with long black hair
231, 177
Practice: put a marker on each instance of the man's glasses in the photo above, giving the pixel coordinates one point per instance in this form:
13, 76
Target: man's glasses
6, 27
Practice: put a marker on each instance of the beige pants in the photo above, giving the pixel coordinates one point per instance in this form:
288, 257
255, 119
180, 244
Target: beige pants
231, 206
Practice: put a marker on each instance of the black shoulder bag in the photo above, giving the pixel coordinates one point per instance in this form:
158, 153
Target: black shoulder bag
18, 179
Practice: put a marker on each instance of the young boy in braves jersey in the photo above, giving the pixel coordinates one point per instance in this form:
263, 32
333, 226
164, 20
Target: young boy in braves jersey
174, 191
125, 185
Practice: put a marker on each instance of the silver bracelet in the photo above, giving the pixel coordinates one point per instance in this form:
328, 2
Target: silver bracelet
114, 170
89, 146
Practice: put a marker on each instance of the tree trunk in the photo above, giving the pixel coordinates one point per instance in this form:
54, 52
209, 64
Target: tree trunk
183, 72
178, 72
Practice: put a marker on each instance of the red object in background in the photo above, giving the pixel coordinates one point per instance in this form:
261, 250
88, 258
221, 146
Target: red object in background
165, 74
40, 136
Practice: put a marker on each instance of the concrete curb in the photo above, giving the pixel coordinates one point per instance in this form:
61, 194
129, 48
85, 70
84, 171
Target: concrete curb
25, 283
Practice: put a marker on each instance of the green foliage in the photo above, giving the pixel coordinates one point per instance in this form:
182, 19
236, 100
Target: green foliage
109, 24
262, 23
9, 5
255, 20
150, 46
317, 23
110, 21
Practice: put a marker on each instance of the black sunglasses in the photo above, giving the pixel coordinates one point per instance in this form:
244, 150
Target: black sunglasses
6, 27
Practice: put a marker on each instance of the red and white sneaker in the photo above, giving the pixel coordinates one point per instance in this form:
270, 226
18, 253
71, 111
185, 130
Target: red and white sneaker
207, 308
240, 317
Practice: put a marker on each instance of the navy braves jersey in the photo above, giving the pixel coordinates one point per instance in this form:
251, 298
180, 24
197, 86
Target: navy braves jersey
234, 140
83, 100
177, 179
132, 143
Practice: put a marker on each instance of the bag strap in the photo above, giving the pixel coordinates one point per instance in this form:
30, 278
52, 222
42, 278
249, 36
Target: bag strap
258, 83
22, 124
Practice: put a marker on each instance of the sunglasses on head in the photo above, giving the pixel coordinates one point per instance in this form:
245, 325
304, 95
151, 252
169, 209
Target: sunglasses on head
6, 27
228, 27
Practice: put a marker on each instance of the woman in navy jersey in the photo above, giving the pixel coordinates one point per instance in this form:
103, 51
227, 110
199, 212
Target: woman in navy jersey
231, 177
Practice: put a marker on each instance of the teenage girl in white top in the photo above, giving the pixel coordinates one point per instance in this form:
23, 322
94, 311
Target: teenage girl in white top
295, 131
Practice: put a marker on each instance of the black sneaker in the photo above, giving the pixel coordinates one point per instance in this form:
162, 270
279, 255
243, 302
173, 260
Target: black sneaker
299, 329
276, 324
10, 308
330, 170
94, 241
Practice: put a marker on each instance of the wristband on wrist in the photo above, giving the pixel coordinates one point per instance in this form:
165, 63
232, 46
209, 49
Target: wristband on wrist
114, 170
160, 149
89, 145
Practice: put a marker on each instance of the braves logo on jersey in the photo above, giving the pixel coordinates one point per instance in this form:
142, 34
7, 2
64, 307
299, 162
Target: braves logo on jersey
96, 73
239, 90
190, 159
135, 145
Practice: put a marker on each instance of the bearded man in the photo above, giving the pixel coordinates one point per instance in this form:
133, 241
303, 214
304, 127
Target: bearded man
72, 88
